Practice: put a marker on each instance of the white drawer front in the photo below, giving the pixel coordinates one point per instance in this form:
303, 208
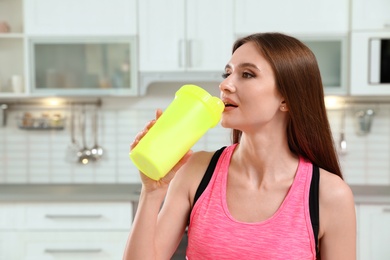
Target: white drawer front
11, 216
78, 216
74, 245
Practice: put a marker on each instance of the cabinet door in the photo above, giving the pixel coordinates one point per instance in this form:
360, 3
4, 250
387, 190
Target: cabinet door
80, 17
11, 216
292, 17
10, 246
374, 232
78, 216
162, 35
104, 65
370, 15
73, 245
209, 34
188, 36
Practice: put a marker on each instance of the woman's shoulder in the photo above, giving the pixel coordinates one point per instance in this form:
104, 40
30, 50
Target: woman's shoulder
333, 188
191, 173
337, 206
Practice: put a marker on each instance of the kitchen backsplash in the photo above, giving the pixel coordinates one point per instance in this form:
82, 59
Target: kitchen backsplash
43, 156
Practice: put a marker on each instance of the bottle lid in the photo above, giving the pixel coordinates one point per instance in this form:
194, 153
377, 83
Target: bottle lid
213, 104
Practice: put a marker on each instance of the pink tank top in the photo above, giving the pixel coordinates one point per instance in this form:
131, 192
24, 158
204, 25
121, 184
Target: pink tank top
214, 234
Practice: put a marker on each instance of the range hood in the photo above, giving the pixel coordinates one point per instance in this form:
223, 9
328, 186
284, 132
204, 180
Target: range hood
147, 78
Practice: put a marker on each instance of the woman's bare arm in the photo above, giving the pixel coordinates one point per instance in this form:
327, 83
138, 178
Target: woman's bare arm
337, 219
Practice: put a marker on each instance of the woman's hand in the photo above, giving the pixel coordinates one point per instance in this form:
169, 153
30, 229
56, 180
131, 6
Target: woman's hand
150, 184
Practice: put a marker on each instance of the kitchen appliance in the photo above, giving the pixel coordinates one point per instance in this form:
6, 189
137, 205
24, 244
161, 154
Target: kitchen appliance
370, 63
379, 71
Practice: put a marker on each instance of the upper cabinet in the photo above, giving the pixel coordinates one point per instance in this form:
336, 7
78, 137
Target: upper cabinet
370, 15
80, 17
11, 46
189, 35
83, 65
332, 57
299, 17
56, 47
321, 24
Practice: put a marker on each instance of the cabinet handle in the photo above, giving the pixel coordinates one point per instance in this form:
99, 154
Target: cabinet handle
72, 250
72, 216
189, 53
182, 51
386, 210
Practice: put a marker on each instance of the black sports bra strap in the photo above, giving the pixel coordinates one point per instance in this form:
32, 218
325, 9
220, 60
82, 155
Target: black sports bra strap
314, 204
208, 174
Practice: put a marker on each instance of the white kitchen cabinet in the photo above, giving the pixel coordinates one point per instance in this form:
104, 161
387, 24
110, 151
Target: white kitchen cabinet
11, 219
11, 46
10, 243
80, 17
96, 26
73, 245
190, 35
302, 17
78, 216
370, 15
332, 58
83, 65
64, 230
373, 231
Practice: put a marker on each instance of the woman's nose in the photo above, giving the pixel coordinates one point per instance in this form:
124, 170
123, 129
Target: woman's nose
226, 85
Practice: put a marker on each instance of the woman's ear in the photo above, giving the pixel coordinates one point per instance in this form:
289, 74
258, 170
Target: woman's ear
283, 106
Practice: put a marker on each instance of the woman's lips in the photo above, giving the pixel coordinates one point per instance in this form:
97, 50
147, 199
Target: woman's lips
229, 106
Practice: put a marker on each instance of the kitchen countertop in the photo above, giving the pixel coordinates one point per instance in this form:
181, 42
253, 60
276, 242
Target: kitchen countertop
69, 192
130, 192
371, 193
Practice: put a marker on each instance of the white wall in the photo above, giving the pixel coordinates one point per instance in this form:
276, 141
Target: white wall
28, 156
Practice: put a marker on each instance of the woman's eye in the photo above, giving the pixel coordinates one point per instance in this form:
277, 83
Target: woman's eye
225, 75
247, 75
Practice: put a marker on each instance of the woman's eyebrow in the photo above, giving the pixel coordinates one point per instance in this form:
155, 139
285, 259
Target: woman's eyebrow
244, 65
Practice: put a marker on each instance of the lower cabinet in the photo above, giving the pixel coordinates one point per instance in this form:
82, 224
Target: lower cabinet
62, 231
73, 245
373, 231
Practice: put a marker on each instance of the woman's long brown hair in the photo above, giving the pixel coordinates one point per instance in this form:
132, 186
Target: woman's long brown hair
298, 80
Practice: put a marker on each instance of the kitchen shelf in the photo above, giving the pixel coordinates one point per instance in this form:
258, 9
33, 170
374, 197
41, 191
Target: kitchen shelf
55, 122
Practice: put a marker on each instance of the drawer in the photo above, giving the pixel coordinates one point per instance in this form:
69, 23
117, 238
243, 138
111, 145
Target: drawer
74, 245
11, 216
78, 216
9, 242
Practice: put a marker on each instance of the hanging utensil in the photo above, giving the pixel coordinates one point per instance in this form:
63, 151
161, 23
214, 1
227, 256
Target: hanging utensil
364, 120
84, 155
96, 151
73, 148
3, 115
343, 141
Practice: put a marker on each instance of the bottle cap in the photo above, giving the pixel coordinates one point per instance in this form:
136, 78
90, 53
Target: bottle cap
214, 105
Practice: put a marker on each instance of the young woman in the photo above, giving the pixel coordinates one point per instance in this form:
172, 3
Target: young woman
261, 201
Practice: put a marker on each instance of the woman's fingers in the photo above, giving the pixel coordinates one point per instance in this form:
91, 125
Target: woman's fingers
148, 125
158, 113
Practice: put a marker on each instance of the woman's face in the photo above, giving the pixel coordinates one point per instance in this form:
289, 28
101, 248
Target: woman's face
249, 92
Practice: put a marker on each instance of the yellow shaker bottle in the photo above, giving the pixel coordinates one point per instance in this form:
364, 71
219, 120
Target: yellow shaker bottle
184, 122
